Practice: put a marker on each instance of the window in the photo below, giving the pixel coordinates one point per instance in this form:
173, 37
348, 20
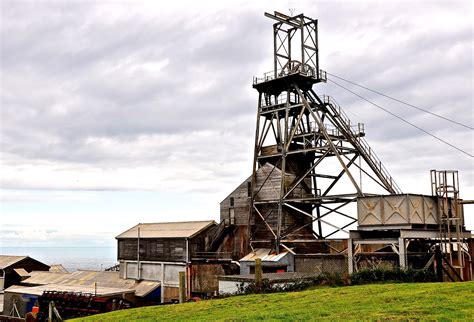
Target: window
179, 252
156, 250
231, 201
249, 189
231, 216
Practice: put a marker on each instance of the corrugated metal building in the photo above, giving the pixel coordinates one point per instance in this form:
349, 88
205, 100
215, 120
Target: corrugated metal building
101, 283
271, 262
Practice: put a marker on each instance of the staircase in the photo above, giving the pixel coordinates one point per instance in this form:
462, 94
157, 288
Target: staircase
216, 236
355, 136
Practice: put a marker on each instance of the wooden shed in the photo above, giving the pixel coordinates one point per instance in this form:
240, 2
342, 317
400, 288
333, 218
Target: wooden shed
13, 269
159, 251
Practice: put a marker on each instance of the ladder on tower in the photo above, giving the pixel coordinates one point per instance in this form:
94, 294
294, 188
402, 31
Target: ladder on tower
445, 185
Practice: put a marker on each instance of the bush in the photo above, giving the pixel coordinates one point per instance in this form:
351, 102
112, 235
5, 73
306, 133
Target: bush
378, 275
364, 276
294, 284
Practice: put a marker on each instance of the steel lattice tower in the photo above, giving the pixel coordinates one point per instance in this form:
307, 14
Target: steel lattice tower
297, 132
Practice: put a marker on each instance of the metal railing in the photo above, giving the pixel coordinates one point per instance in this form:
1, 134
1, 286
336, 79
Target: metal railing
339, 113
321, 75
357, 129
212, 255
278, 100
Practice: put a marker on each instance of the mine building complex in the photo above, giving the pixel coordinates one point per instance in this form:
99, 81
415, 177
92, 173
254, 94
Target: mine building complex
294, 207
302, 211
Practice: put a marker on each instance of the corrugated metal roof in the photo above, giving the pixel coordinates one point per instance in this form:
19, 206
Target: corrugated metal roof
143, 288
86, 278
271, 277
265, 255
57, 268
38, 290
8, 260
184, 229
22, 272
42, 278
266, 168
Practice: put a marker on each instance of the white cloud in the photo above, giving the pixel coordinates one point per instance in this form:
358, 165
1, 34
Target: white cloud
157, 97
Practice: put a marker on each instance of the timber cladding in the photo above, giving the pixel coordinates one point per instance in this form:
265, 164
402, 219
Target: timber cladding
204, 277
235, 207
153, 249
191, 239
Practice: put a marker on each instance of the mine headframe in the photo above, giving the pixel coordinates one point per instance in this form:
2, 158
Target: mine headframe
305, 148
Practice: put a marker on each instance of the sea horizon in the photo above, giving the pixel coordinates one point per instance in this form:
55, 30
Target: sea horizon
70, 257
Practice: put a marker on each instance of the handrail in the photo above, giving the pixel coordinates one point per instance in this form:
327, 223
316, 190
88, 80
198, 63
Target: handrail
313, 127
339, 112
302, 70
354, 129
212, 255
217, 232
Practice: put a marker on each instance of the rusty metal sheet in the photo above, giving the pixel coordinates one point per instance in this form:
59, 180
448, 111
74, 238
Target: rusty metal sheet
369, 211
415, 209
82, 279
265, 254
396, 210
430, 208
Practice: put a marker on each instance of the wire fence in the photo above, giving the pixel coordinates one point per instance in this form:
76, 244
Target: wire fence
206, 281
319, 264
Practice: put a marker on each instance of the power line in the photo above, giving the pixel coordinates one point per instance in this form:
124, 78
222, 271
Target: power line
402, 119
405, 103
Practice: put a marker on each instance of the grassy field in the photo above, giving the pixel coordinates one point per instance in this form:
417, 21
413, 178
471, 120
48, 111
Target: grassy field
428, 301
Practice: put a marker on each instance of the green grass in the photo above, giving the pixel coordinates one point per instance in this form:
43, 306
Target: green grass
427, 301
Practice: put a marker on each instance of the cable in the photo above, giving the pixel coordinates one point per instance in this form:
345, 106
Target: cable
402, 119
405, 103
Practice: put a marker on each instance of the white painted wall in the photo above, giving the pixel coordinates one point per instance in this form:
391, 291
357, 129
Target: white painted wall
152, 271
230, 287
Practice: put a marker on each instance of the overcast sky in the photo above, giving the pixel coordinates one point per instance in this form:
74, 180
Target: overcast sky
114, 113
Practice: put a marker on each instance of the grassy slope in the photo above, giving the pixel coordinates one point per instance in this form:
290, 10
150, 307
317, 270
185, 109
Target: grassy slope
430, 301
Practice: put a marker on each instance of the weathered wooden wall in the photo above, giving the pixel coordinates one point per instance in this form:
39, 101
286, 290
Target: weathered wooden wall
235, 242
238, 203
204, 277
268, 181
235, 210
163, 249
153, 249
28, 264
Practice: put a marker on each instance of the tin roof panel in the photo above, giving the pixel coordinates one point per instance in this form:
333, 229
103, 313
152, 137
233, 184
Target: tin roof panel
184, 229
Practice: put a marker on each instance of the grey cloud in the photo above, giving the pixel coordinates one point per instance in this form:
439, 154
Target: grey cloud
72, 77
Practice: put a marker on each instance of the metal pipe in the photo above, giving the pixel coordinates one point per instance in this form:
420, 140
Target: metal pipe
138, 253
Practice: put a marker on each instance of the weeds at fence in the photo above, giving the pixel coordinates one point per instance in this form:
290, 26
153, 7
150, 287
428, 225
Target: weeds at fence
366, 276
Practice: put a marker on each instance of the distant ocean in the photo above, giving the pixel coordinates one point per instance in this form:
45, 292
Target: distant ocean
72, 258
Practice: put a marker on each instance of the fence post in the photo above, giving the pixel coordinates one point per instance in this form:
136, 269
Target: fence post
50, 311
439, 263
258, 274
182, 287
